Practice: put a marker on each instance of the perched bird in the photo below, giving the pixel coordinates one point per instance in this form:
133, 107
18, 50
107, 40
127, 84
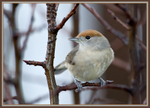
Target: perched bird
89, 59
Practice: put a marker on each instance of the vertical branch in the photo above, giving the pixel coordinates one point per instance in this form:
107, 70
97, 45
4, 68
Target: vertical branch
134, 59
18, 56
138, 76
135, 63
49, 69
75, 33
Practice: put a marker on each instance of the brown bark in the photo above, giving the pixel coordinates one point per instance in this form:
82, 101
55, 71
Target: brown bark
49, 69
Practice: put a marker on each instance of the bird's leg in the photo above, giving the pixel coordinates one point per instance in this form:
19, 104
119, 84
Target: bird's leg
79, 85
102, 81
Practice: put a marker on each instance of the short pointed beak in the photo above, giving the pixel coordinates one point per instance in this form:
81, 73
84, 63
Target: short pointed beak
74, 39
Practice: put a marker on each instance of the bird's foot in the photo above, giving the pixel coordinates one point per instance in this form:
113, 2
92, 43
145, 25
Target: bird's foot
79, 85
102, 82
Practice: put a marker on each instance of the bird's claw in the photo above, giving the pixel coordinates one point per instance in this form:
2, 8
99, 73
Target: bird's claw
103, 83
79, 85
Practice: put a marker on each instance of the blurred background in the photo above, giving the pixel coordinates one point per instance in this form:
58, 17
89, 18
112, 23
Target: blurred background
33, 79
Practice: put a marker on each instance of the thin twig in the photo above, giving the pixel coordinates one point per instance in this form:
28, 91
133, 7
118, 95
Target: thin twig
121, 36
126, 26
35, 63
36, 29
31, 102
8, 14
124, 10
9, 81
141, 43
121, 64
117, 19
30, 27
66, 18
7, 99
6, 86
8, 94
6, 74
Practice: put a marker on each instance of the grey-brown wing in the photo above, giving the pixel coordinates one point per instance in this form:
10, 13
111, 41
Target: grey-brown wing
69, 59
70, 56
60, 68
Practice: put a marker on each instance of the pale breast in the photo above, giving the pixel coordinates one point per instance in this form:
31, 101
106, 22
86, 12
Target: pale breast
89, 66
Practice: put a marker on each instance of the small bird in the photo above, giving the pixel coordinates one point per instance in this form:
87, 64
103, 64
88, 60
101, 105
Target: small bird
89, 59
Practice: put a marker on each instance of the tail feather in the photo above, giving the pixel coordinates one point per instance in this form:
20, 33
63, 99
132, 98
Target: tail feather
60, 68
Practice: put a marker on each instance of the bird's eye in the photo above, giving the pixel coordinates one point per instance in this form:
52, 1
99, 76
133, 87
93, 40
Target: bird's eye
87, 37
